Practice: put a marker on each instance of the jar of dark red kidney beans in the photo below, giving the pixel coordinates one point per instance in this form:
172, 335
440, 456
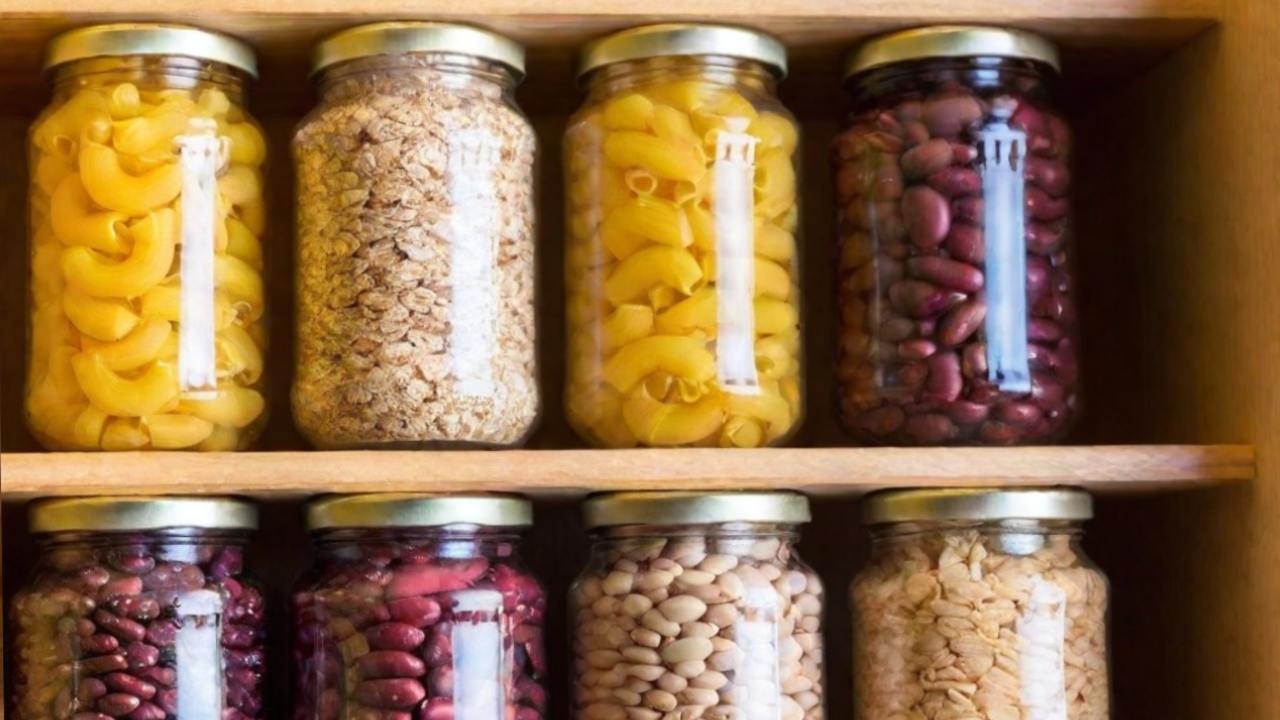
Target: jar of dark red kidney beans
419, 608
139, 609
957, 318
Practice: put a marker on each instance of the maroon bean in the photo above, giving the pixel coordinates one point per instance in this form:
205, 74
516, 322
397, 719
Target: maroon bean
853, 179
947, 273
135, 563
390, 664
436, 709
909, 110
394, 694
394, 636
141, 655
1047, 390
174, 576
167, 699
146, 711
227, 563
440, 681
254, 658
896, 328
915, 133
955, 182
117, 704
926, 158
916, 349
90, 716
973, 360
968, 209
128, 585
103, 664
415, 611
961, 322
136, 607
89, 689
244, 699
1042, 330
949, 116
238, 636
122, 628
926, 216
162, 632
439, 647
244, 677
1043, 239
99, 644
944, 383
998, 433
1043, 207
84, 627
965, 412
431, 579
963, 154
1049, 175
128, 684
965, 242
1037, 279
920, 299
158, 675
929, 428
1018, 414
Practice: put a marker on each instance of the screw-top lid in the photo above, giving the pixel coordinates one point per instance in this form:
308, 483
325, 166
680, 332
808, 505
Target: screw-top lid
951, 41
410, 510
141, 513
125, 39
394, 38
896, 506
694, 508
672, 39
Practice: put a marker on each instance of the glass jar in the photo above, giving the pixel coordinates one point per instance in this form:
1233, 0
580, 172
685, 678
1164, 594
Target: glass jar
980, 604
682, 267
415, 241
139, 608
956, 305
147, 217
697, 605
419, 604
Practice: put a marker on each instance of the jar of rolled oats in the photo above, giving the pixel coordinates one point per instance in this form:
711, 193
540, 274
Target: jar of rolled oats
415, 242
980, 604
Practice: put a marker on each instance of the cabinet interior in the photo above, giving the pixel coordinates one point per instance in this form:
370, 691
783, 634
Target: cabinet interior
1176, 255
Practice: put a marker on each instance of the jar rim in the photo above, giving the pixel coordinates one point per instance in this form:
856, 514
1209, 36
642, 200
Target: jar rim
418, 510
694, 508
153, 39
140, 513
690, 39
979, 504
400, 37
951, 41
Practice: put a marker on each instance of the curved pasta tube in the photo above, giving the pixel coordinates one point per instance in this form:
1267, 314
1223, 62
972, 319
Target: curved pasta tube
124, 101
124, 434
630, 148
154, 241
772, 280
775, 184
243, 244
145, 344
152, 392
774, 243
241, 283
673, 126
768, 407
775, 316
174, 432
89, 426
149, 133
697, 312
113, 188
240, 185
238, 355
649, 268
213, 102
222, 439
773, 358
654, 422
76, 222
628, 112
233, 406
100, 319
741, 432
703, 225
686, 95
50, 171
47, 282
164, 302
639, 181
247, 144
643, 221
662, 297
775, 131
59, 132
253, 213
627, 323
682, 356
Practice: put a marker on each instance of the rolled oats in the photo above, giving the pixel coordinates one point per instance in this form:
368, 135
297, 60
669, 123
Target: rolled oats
415, 247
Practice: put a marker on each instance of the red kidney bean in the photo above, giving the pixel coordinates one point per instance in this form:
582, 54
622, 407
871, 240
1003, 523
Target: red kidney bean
162, 632
167, 699
158, 675
926, 158
146, 711
437, 709
962, 322
141, 655
130, 685
1049, 175
99, 644
920, 299
390, 664
947, 273
949, 116
965, 243
398, 693
104, 664
916, 349
117, 704
926, 216
122, 628
415, 611
394, 636
956, 182
90, 716
128, 585
929, 428
1044, 207
945, 383
90, 689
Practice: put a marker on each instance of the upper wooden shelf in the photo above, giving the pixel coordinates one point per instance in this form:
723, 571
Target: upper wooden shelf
822, 471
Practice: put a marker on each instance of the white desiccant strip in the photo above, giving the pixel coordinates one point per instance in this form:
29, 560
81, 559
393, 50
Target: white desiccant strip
198, 659
473, 310
734, 208
201, 155
479, 674
1042, 642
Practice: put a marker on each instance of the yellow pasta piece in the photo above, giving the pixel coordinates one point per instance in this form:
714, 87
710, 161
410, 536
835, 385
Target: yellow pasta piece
154, 241
628, 112
772, 280
124, 101
232, 406
653, 266
640, 181
50, 171
768, 407
89, 426
686, 95
626, 324
662, 297
697, 312
703, 226
644, 221
660, 424
248, 147
775, 316
775, 184
76, 222
213, 102
148, 394
682, 356
175, 432
629, 148
150, 133
239, 355
222, 439
100, 319
114, 189
59, 131
741, 432
124, 434
776, 132
773, 359
673, 126
241, 283
774, 243
145, 344
253, 213
240, 185
164, 302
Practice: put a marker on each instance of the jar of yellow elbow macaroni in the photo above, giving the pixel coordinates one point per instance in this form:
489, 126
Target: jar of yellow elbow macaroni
147, 218
681, 259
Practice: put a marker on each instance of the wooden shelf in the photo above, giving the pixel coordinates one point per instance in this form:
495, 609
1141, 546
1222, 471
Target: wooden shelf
823, 471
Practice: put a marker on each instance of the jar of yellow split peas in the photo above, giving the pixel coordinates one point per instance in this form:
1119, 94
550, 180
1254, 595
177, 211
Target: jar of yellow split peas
147, 216
681, 259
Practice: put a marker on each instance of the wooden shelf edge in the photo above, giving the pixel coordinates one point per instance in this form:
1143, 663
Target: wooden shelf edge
820, 471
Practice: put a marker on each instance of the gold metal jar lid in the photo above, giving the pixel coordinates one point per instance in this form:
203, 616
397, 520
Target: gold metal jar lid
951, 41
671, 39
895, 506
128, 513
415, 510
394, 38
694, 508
125, 39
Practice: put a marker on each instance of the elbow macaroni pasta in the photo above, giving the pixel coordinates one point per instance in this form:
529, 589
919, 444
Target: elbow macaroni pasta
106, 273
642, 279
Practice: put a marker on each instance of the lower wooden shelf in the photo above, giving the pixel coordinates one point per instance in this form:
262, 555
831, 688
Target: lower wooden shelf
821, 471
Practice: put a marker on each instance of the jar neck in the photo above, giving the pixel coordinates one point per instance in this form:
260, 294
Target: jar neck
189, 545
930, 75
1014, 536
727, 71
454, 541
464, 73
786, 532
151, 73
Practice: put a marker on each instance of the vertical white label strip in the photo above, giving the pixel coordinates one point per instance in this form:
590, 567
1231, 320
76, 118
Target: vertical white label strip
1041, 645
734, 208
201, 154
473, 161
201, 689
757, 635
479, 675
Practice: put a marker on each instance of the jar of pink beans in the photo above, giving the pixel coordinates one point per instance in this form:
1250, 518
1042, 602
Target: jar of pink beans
955, 294
419, 608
